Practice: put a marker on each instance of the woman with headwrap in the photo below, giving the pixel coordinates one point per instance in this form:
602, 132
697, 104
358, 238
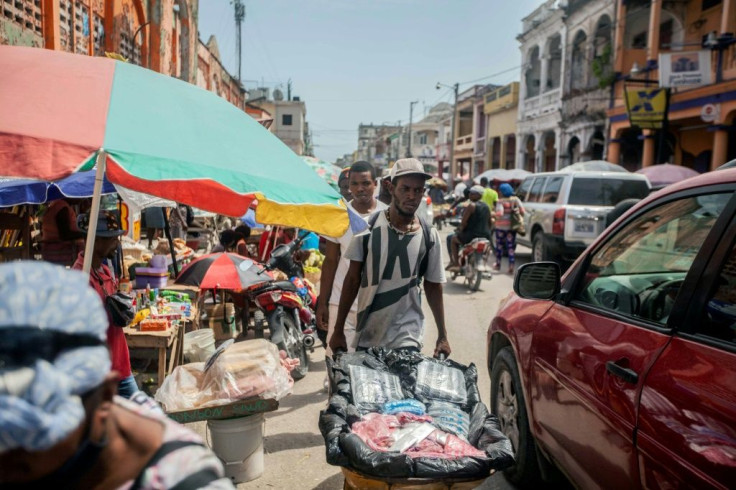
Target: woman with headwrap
505, 236
61, 425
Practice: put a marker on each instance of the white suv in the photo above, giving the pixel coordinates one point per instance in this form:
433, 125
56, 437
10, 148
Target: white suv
566, 211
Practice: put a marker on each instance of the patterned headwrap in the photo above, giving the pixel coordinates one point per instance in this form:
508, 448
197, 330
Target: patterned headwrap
40, 402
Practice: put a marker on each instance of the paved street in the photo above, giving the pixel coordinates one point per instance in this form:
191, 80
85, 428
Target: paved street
293, 445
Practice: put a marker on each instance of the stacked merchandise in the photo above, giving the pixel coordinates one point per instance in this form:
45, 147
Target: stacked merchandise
254, 368
401, 415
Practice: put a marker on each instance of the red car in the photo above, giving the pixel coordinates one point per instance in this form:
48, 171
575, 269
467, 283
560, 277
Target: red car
622, 373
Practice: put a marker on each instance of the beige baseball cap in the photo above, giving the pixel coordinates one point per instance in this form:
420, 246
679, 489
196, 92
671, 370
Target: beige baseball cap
408, 166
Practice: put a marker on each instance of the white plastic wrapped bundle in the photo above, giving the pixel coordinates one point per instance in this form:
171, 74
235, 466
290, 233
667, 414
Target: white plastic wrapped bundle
371, 388
438, 381
450, 418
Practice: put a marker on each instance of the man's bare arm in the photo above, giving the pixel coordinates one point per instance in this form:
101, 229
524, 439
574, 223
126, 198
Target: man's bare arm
329, 267
433, 290
350, 288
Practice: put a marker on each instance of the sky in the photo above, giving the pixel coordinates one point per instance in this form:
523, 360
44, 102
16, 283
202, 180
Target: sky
364, 61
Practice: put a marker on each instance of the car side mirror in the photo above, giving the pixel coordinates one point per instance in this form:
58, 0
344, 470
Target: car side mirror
538, 280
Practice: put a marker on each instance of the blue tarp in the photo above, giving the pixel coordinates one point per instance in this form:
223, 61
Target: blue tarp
25, 191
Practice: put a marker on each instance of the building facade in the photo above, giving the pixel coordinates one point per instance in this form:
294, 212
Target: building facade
586, 91
470, 133
290, 124
500, 107
695, 36
157, 34
543, 49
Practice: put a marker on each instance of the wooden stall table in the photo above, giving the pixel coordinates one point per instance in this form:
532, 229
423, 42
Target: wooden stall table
172, 338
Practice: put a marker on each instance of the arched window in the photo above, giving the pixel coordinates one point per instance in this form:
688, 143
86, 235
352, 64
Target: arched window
554, 66
578, 66
573, 150
533, 72
602, 65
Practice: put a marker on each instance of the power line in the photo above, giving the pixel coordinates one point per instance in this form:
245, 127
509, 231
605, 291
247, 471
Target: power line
493, 75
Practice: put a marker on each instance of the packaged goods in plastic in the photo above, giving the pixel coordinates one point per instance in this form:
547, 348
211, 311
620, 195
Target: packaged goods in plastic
372, 389
438, 381
360, 441
409, 406
242, 370
450, 418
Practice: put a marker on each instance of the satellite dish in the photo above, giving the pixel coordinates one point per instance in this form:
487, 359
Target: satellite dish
278, 94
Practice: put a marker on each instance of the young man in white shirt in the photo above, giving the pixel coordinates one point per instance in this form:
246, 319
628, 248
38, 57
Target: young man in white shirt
362, 184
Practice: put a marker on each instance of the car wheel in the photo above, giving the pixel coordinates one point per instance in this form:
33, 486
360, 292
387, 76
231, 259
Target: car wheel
507, 403
538, 253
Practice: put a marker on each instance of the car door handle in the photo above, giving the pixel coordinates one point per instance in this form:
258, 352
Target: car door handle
628, 375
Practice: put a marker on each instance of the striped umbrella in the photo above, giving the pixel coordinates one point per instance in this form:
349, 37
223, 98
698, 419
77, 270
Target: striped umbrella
152, 133
329, 172
222, 271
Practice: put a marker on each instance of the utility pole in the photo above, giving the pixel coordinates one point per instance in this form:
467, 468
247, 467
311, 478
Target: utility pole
239, 17
411, 115
452, 128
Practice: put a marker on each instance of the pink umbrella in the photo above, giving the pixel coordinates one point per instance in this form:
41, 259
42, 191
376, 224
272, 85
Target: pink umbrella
665, 174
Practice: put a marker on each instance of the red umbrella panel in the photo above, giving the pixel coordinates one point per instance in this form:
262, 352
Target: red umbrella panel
223, 271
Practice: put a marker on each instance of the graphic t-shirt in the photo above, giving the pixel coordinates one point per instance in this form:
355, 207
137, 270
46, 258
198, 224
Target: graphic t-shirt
389, 311
344, 264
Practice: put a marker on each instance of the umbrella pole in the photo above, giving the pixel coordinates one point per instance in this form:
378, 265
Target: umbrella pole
167, 232
89, 245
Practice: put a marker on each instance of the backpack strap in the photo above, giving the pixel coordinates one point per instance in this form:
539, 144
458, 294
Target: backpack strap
428, 244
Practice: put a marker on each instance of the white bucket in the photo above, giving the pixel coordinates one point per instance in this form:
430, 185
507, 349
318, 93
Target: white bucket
199, 345
239, 445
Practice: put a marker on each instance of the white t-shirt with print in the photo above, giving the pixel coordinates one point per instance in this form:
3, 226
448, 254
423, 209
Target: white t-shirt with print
389, 309
344, 264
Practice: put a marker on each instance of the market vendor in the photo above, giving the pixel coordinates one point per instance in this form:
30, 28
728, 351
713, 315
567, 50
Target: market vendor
62, 425
61, 240
107, 237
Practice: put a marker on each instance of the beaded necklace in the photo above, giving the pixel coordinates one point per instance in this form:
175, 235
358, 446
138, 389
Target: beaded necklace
409, 229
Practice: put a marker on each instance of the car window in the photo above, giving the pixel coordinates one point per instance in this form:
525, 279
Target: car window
605, 192
524, 188
720, 309
552, 189
639, 271
536, 192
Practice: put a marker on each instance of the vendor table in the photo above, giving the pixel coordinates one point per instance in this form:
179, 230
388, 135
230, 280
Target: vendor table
173, 337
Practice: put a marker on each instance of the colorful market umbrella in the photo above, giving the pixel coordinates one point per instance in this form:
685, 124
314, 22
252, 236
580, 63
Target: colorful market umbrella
222, 271
664, 174
154, 134
329, 172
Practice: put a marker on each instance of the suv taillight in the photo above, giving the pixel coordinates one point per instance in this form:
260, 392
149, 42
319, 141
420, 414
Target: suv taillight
558, 222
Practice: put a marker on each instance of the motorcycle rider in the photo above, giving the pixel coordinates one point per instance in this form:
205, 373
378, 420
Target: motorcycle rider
476, 223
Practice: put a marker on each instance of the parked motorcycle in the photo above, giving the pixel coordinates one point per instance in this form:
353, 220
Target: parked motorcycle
286, 307
473, 260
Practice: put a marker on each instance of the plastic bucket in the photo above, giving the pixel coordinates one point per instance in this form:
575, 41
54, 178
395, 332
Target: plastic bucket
239, 445
199, 345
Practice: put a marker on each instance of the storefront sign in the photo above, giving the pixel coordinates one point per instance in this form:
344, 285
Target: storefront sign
130, 217
710, 112
647, 107
684, 69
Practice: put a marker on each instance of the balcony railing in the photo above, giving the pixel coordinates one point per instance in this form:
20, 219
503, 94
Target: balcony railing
464, 143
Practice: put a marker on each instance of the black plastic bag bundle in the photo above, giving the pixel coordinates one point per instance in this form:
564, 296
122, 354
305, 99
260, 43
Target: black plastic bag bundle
344, 448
